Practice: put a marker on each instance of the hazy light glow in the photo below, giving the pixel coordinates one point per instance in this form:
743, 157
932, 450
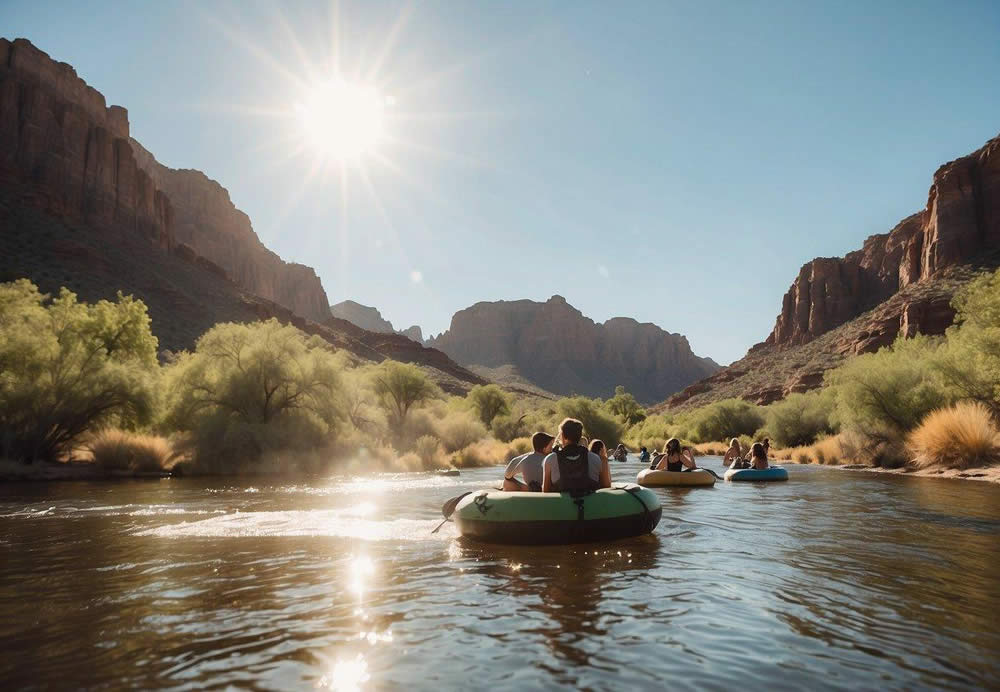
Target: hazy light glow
341, 120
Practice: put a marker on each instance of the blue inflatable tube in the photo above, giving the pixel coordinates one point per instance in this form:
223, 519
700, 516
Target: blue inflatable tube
774, 473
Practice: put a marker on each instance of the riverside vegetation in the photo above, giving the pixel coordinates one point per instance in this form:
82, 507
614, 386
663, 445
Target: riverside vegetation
83, 382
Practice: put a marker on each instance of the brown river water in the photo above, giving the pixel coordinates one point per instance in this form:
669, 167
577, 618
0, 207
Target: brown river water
833, 580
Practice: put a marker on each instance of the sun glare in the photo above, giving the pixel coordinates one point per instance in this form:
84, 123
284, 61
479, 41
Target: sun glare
341, 120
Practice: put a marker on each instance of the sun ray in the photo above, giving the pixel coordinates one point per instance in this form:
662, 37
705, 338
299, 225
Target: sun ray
390, 41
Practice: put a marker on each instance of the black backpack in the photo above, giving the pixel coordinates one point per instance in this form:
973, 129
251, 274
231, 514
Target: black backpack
574, 470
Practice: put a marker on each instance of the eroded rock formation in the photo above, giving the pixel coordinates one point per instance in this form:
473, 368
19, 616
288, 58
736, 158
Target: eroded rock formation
57, 134
206, 219
371, 319
554, 346
960, 222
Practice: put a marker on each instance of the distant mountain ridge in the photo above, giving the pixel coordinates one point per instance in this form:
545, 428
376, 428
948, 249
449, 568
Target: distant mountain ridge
370, 318
555, 347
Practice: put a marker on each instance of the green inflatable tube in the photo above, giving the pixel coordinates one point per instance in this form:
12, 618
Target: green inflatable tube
773, 473
494, 516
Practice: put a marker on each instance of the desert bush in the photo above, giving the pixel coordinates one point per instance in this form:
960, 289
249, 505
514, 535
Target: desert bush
650, 432
509, 427
800, 419
970, 361
597, 423
488, 401
458, 430
428, 449
68, 368
119, 450
957, 437
886, 394
419, 423
521, 445
251, 391
408, 462
721, 420
486, 452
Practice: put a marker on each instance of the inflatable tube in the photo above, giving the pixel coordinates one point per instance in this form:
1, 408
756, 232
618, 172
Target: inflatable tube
661, 479
774, 473
494, 516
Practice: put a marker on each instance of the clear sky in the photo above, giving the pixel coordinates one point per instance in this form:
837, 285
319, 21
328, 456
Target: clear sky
676, 162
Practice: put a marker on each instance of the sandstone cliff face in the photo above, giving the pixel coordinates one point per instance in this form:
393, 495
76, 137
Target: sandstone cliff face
57, 134
207, 220
960, 222
554, 346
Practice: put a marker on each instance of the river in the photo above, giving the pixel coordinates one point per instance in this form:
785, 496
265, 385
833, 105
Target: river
833, 580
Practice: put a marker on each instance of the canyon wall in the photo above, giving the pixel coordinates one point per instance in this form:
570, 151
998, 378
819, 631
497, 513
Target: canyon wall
206, 219
58, 135
960, 222
554, 346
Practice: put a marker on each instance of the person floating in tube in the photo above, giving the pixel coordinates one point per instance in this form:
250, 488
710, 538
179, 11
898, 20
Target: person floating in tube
528, 465
573, 468
675, 458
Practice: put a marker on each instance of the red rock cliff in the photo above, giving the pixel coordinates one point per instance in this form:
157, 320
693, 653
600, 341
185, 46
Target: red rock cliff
206, 219
57, 134
960, 223
554, 346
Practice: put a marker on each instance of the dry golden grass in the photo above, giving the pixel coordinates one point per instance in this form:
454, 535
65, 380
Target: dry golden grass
958, 437
119, 450
829, 450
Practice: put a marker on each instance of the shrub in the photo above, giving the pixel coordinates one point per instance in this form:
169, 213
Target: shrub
489, 401
597, 423
722, 420
886, 394
521, 445
119, 450
486, 452
458, 430
428, 449
68, 368
958, 437
829, 450
251, 390
800, 419
507, 427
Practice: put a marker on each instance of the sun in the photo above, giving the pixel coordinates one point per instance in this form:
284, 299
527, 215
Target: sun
342, 120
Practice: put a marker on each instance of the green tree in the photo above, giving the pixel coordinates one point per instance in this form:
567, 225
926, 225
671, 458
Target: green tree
799, 419
886, 394
597, 423
624, 405
68, 368
721, 420
400, 387
248, 389
970, 360
489, 401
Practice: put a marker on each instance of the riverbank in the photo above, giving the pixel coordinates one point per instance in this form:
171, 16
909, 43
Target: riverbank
990, 474
15, 471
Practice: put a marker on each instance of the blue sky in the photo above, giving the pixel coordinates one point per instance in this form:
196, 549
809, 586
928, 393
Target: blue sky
676, 162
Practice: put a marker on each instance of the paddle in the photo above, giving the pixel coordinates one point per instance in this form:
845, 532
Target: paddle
448, 508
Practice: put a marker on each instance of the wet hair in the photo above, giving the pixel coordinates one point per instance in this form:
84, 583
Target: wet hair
596, 446
572, 430
767, 443
735, 442
541, 440
673, 446
757, 451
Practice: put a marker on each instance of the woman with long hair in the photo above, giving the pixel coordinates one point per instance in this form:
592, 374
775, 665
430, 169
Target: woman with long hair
734, 453
675, 458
